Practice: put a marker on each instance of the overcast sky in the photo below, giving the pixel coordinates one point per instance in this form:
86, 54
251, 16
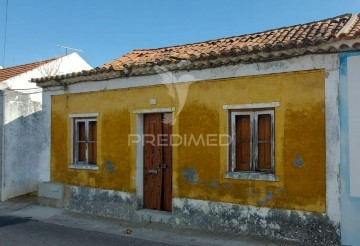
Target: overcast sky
107, 29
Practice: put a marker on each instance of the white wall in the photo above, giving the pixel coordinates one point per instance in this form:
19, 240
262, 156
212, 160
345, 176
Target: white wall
350, 133
354, 123
24, 134
66, 64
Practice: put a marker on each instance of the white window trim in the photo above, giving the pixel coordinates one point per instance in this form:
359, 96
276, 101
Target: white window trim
252, 106
154, 110
253, 146
84, 166
257, 113
251, 176
75, 119
87, 115
233, 138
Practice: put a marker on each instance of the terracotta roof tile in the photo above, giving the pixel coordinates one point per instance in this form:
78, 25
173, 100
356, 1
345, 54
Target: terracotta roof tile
285, 42
355, 30
282, 38
7, 73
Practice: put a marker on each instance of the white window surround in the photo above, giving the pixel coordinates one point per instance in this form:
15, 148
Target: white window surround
86, 122
87, 115
74, 119
252, 106
84, 166
154, 110
251, 175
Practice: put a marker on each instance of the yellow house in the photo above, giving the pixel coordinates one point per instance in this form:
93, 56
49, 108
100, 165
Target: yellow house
237, 134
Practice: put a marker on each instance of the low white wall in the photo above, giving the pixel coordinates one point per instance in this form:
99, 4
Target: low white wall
24, 139
24, 127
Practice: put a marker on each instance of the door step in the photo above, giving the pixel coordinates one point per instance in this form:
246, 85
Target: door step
149, 215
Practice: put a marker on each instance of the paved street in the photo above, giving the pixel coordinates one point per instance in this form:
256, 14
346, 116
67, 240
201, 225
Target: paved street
22, 222
23, 231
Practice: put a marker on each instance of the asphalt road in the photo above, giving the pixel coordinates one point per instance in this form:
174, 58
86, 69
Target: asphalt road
24, 231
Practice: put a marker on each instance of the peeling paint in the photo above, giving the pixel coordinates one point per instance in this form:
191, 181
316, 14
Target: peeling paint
298, 161
101, 202
110, 167
282, 188
190, 175
305, 227
215, 184
268, 197
291, 225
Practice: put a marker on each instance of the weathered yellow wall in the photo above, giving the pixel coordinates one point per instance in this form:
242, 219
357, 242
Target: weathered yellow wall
197, 170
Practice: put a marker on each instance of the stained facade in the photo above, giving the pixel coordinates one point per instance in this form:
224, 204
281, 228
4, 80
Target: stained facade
255, 134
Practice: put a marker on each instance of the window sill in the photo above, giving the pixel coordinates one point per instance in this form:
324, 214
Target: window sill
251, 176
84, 166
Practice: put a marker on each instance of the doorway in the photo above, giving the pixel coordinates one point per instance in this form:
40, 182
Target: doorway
157, 171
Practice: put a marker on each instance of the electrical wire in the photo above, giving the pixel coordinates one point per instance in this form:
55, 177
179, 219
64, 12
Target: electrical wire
5, 34
23, 91
27, 93
26, 89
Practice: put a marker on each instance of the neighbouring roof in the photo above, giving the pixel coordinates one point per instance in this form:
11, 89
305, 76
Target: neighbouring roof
285, 42
7, 73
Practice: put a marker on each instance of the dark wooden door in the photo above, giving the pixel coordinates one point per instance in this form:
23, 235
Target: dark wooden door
157, 163
167, 164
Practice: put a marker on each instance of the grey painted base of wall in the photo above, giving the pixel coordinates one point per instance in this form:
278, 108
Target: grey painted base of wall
264, 222
248, 220
49, 202
108, 203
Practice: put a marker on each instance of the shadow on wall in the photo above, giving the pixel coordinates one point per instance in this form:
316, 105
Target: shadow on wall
24, 143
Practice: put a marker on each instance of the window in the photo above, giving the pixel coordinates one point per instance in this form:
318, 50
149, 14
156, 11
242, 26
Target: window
252, 145
85, 141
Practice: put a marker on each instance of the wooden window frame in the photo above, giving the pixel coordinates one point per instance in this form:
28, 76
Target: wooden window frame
254, 115
75, 140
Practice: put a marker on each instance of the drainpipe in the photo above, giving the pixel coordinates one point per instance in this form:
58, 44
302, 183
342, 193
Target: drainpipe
2, 136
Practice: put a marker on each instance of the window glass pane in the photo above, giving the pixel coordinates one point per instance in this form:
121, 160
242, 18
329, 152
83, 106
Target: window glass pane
264, 142
92, 130
81, 136
243, 142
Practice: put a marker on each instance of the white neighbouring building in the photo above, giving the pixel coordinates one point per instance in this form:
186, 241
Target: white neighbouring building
22, 135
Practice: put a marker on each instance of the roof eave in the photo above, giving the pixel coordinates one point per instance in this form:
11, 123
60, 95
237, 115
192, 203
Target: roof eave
67, 79
151, 69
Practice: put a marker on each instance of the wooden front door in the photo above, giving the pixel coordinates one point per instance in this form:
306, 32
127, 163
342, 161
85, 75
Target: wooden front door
157, 162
